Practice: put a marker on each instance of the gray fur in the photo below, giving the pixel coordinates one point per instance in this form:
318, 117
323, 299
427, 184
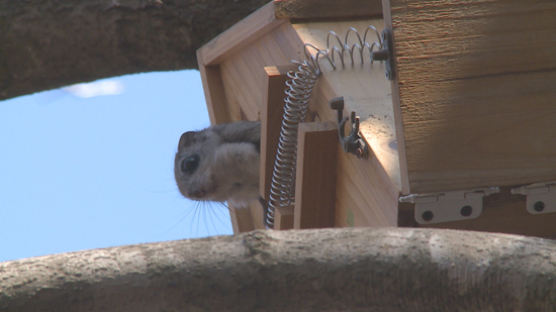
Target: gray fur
228, 166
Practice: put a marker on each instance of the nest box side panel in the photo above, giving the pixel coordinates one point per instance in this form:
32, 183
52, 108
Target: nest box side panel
365, 193
214, 54
366, 189
477, 91
364, 88
243, 72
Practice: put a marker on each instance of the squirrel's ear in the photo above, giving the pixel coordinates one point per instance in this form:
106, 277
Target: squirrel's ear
186, 139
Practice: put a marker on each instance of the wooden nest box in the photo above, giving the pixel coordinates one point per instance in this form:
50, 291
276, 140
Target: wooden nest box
463, 136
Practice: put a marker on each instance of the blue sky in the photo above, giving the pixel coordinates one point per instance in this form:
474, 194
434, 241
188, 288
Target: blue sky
92, 166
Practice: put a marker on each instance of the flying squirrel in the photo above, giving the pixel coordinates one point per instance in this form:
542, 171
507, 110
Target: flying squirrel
220, 163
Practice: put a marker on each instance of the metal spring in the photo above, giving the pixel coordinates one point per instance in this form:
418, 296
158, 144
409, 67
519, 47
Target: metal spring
298, 93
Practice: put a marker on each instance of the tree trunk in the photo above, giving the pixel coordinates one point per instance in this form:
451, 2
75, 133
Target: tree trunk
50, 44
313, 270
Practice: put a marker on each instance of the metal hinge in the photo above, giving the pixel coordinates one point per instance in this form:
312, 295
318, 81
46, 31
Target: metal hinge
541, 197
448, 206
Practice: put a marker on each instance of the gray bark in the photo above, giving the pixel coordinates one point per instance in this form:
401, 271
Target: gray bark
50, 44
314, 270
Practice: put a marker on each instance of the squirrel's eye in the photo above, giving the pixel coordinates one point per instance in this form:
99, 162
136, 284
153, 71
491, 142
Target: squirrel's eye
190, 164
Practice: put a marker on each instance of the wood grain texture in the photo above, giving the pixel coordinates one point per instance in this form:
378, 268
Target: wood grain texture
244, 76
271, 121
365, 90
366, 194
256, 210
240, 35
315, 182
327, 9
476, 91
367, 189
215, 96
241, 219
283, 218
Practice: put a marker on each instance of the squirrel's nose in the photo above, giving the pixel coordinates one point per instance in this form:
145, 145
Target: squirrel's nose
199, 193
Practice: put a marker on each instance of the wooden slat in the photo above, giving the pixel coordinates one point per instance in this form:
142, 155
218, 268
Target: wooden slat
365, 90
315, 183
283, 218
476, 91
215, 95
365, 195
256, 210
240, 35
327, 9
241, 219
271, 121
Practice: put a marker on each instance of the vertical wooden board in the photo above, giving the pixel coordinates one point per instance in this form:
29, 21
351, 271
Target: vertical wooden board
315, 183
365, 90
271, 122
283, 218
256, 210
365, 193
215, 95
366, 189
241, 219
476, 91
234, 89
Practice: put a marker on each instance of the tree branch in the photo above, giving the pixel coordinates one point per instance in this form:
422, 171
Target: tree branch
50, 44
314, 270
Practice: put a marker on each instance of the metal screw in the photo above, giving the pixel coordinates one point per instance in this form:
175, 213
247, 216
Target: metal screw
466, 211
539, 206
380, 55
427, 215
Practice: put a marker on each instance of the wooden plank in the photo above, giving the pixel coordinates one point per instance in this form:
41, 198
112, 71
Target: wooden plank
276, 13
397, 113
243, 74
365, 90
271, 122
215, 95
240, 35
476, 91
366, 194
506, 213
327, 9
256, 210
234, 88
315, 183
283, 218
241, 219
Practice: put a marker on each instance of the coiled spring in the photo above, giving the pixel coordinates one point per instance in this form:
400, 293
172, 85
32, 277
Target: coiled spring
300, 86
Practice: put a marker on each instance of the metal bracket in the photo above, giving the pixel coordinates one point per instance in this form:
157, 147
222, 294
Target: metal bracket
386, 53
353, 143
541, 197
448, 206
